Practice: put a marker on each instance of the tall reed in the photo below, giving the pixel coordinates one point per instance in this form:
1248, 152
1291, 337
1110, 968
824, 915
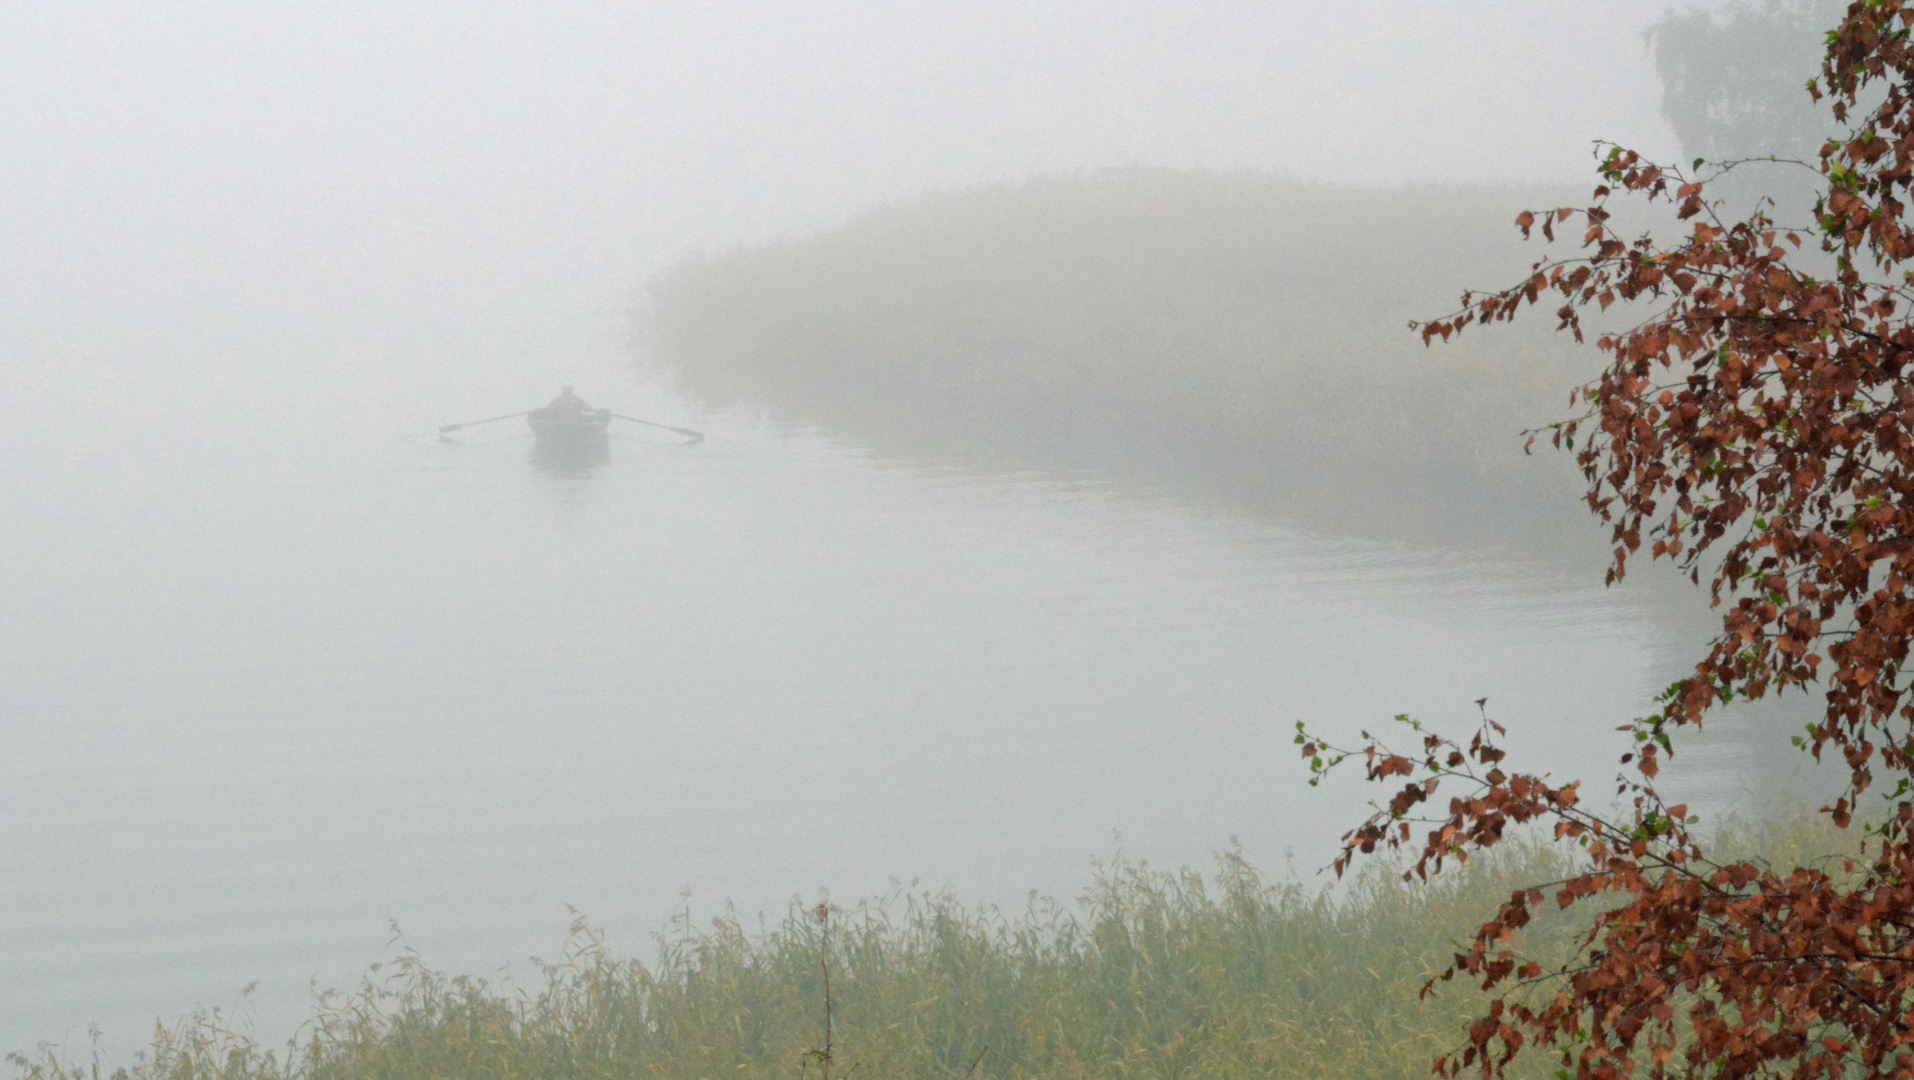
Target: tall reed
1149, 974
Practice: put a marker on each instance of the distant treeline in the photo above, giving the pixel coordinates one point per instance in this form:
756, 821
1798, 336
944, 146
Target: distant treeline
1232, 336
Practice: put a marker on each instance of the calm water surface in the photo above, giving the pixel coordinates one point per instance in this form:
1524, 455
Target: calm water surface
256, 710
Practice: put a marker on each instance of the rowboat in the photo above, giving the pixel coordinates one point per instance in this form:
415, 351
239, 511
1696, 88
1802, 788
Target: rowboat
570, 441
568, 434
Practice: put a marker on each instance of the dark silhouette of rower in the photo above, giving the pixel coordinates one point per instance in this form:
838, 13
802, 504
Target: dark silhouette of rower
568, 406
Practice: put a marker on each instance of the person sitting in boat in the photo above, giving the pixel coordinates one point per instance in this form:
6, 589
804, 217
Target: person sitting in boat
568, 407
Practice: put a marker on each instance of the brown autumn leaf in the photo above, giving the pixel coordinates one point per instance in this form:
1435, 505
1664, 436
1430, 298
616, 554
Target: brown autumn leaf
1756, 427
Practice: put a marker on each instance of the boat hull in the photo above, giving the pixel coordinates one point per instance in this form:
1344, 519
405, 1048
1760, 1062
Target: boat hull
569, 443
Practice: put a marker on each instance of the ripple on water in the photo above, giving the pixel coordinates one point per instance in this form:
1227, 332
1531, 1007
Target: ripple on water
258, 712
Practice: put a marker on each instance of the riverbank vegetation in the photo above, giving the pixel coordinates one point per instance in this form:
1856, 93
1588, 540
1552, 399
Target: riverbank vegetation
1150, 974
1754, 427
1238, 337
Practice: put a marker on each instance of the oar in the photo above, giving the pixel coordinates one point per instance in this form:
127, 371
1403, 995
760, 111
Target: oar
695, 436
487, 420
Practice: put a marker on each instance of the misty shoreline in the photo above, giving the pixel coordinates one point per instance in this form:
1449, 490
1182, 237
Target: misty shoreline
1239, 339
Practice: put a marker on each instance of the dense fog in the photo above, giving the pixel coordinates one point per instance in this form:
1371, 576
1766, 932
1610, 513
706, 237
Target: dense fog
409, 211
277, 665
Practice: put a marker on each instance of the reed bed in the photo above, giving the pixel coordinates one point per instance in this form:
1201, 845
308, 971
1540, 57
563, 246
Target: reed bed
1150, 974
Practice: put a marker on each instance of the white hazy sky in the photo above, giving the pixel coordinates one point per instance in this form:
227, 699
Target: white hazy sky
488, 181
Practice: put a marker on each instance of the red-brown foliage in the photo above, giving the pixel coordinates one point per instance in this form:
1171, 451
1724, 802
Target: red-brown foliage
1757, 426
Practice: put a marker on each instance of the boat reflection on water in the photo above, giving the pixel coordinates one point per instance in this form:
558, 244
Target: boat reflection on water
570, 445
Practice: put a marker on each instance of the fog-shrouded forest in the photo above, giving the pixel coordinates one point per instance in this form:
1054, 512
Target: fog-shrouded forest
1240, 337
1243, 337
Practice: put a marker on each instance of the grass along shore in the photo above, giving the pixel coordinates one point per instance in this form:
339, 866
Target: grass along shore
1149, 974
